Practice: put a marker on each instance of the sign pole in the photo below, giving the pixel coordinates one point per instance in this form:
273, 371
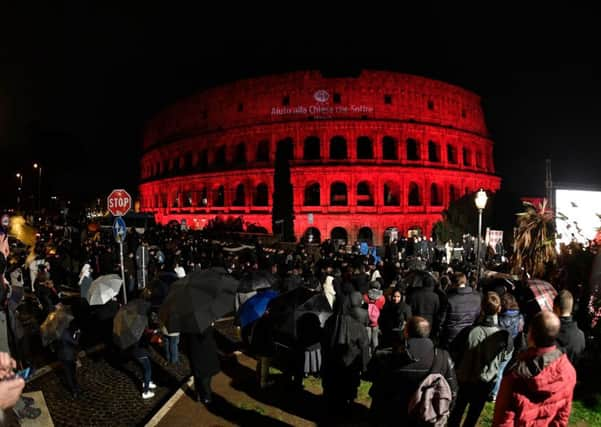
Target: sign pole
123, 272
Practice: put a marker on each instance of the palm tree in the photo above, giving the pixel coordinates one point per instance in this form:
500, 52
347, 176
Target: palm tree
534, 243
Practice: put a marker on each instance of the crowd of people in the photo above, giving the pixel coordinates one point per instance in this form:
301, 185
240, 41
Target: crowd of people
397, 320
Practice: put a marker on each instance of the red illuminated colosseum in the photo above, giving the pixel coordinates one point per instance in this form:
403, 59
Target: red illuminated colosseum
380, 150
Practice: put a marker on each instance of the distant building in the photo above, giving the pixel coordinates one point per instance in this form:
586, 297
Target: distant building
368, 153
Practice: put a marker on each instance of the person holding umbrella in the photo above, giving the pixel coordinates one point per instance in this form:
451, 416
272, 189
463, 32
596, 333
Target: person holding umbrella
66, 353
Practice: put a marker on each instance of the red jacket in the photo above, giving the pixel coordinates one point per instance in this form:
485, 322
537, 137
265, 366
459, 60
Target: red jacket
536, 391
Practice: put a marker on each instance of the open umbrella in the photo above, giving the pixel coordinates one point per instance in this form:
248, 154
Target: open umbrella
254, 307
130, 322
54, 325
544, 293
255, 280
103, 289
197, 300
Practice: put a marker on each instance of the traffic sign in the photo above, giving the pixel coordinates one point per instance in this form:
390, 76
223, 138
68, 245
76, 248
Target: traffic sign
119, 229
118, 202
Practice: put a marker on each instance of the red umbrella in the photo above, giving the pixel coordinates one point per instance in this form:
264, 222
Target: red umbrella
544, 293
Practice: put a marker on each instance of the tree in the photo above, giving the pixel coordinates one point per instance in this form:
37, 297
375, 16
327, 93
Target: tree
283, 213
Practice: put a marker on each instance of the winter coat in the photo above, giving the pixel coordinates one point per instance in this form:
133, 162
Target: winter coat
513, 321
537, 390
66, 345
202, 352
392, 316
462, 310
425, 303
571, 339
396, 376
487, 346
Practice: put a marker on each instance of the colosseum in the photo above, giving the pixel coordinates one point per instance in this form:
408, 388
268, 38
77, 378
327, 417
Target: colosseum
367, 153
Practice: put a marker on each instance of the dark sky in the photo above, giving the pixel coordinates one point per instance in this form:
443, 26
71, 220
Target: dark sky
78, 82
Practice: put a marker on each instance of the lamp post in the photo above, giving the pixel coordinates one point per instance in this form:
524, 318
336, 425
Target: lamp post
480, 201
19, 188
39, 168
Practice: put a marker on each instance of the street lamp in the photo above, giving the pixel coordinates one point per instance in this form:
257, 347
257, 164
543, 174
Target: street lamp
39, 168
480, 201
20, 178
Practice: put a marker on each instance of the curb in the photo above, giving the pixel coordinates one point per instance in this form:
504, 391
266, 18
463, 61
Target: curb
156, 419
55, 365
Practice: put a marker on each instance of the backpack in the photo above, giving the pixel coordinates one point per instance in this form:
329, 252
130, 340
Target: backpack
430, 404
373, 313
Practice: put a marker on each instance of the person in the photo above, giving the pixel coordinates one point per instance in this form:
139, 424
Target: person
140, 353
462, 310
571, 338
423, 300
487, 345
397, 372
204, 362
66, 354
538, 387
10, 386
393, 316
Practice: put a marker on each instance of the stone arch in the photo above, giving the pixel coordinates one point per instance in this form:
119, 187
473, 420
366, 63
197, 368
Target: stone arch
453, 193
338, 194
433, 151
202, 198
239, 195
412, 149
261, 196
365, 234
389, 148
451, 154
338, 148
285, 148
263, 151
220, 156
392, 194
240, 154
312, 235
414, 195
365, 148
218, 196
435, 195
203, 160
312, 194
311, 149
467, 157
339, 233
365, 194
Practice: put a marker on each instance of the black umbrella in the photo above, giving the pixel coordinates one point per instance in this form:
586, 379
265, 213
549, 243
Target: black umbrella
130, 322
197, 300
286, 310
255, 280
54, 325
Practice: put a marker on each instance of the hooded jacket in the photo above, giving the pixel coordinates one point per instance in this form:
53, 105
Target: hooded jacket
571, 339
537, 390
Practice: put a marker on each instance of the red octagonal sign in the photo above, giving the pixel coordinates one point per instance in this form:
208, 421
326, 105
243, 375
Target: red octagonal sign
118, 202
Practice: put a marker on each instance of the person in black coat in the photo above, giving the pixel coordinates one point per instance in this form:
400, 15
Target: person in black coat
204, 362
571, 338
393, 316
423, 300
462, 310
397, 372
66, 354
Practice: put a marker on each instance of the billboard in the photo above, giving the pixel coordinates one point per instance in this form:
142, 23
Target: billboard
581, 207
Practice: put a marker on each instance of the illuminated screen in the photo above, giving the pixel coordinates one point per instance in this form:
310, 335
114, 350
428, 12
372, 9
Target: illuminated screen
581, 209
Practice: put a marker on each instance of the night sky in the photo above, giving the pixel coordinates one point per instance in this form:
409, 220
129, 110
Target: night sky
77, 83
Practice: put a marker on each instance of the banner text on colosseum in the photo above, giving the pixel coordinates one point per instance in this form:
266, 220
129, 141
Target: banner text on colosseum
321, 110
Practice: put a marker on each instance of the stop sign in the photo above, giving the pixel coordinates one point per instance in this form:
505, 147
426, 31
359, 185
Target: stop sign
118, 202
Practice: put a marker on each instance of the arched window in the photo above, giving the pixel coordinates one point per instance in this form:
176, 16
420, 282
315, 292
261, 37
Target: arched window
478, 159
164, 200
364, 194
312, 194
365, 234
240, 154
433, 151
165, 169
188, 161
156, 201
338, 148
239, 196
202, 199
451, 154
285, 148
312, 235
412, 149
218, 196
187, 199
311, 148
220, 157
175, 201
203, 160
435, 195
339, 234
263, 151
467, 157
391, 194
389, 148
414, 196
338, 195
261, 197
365, 148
